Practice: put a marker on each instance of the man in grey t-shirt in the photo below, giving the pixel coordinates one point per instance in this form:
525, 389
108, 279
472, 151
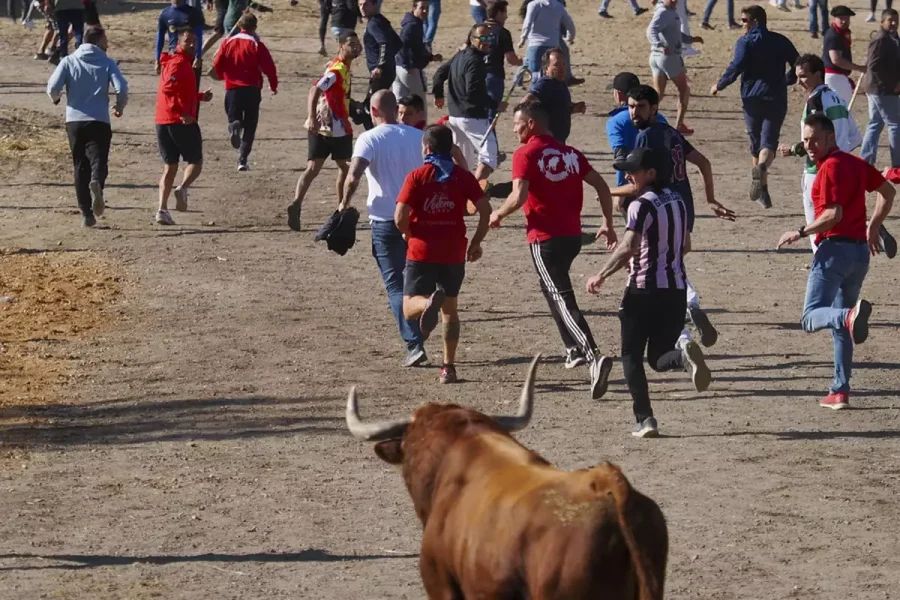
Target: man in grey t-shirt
666, 62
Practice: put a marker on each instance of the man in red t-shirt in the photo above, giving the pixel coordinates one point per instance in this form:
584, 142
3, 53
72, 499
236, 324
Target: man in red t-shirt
430, 211
177, 132
841, 260
547, 178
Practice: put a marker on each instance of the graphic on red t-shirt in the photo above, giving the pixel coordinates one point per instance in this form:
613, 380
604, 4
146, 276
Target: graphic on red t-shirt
437, 230
554, 173
843, 180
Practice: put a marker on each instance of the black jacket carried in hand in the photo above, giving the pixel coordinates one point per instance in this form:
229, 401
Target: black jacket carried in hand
467, 75
339, 231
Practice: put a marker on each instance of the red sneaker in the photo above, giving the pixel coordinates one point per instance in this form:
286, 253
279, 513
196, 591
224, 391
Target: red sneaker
836, 401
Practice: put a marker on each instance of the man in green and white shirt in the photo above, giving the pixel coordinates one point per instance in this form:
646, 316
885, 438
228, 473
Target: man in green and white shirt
822, 99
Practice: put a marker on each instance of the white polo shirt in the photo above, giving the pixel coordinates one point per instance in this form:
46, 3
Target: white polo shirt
393, 151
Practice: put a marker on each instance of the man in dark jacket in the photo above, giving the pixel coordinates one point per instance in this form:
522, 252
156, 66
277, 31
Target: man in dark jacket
470, 103
381, 44
765, 61
883, 88
414, 54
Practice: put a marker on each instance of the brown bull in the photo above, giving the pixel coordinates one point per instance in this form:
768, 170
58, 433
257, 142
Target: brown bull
500, 522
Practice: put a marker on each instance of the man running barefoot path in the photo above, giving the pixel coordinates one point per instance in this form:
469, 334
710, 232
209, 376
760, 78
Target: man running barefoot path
845, 242
387, 153
328, 123
177, 131
652, 310
547, 178
666, 61
430, 213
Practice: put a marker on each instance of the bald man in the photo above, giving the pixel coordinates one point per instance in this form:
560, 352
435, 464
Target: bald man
387, 153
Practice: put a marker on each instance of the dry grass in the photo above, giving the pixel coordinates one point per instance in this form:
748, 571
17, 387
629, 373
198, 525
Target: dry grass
31, 136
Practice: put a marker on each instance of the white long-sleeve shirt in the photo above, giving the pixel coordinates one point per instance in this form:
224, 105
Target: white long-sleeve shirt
543, 21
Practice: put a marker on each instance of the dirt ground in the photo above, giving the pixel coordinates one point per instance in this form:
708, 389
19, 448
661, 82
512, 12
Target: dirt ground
195, 447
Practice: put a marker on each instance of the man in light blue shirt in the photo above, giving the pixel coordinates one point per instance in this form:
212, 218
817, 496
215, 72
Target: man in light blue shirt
86, 76
620, 131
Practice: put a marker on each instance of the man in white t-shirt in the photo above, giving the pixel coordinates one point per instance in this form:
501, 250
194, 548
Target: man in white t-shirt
387, 153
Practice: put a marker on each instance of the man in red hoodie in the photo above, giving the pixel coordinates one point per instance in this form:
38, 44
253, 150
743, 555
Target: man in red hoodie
177, 131
241, 62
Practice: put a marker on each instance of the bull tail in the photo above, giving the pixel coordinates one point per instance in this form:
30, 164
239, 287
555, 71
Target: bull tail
643, 528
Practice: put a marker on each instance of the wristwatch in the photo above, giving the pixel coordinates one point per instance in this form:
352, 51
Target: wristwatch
802, 231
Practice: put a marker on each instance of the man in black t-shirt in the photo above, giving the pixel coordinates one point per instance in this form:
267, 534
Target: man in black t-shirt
552, 91
837, 56
502, 50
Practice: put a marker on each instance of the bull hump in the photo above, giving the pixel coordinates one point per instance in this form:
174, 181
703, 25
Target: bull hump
567, 510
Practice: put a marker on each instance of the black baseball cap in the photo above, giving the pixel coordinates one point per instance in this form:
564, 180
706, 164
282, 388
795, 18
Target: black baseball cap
842, 11
637, 159
623, 82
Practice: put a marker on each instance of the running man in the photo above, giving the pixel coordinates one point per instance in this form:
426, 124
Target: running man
666, 61
652, 310
430, 213
86, 75
643, 105
171, 21
241, 62
551, 90
844, 241
328, 124
414, 54
386, 154
621, 132
177, 131
381, 44
547, 178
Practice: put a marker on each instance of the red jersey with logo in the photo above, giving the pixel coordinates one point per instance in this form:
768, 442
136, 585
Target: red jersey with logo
554, 173
437, 231
843, 180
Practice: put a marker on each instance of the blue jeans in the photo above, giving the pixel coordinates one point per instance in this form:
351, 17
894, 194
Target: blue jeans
495, 90
389, 251
434, 15
883, 110
533, 57
64, 18
835, 279
565, 50
729, 7
479, 15
814, 17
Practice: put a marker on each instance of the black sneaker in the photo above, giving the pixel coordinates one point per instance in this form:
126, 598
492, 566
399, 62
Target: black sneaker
646, 429
429, 319
600, 369
88, 220
765, 200
575, 81
695, 364
888, 243
54, 58
734, 26
640, 11
708, 333
706, 26
500, 190
574, 358
755, 184
858, 321
293, 212
604, 14
234, 130
415, 357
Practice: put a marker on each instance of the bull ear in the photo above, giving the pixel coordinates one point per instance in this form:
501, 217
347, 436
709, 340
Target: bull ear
390, 451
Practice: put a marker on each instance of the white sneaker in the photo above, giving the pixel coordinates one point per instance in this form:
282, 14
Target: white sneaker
690, 51
181, 199
695, 364
242, 166
164, 218
870, 18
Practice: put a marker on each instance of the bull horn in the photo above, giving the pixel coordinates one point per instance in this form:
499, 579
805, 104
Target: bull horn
526, 402
372, 432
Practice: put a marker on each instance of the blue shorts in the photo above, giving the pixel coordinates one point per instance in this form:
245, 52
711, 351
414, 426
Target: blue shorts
764, 118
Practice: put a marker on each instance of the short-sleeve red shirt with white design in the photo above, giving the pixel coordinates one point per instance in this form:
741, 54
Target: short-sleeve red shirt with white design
843, 180
437, 229
554, 172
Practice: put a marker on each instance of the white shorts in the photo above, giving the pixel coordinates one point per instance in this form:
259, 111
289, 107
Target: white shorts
841, 85
468, 134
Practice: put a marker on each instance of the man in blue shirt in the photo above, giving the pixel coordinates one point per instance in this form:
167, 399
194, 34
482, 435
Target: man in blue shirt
175, 17
620, 131
765, 61
552, 91
643, 106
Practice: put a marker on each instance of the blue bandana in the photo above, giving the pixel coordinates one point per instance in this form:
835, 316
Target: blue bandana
443, 163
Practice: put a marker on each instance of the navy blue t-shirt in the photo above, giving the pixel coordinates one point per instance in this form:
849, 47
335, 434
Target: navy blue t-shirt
665, 140
554, 95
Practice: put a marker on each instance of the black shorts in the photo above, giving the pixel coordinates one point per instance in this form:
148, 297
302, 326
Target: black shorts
221, 9
177, 141
321, 147
422, 278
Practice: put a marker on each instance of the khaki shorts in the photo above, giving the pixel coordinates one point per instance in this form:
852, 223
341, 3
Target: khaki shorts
670, 65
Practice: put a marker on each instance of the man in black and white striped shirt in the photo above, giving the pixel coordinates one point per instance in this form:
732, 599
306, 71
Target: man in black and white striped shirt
652, 311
